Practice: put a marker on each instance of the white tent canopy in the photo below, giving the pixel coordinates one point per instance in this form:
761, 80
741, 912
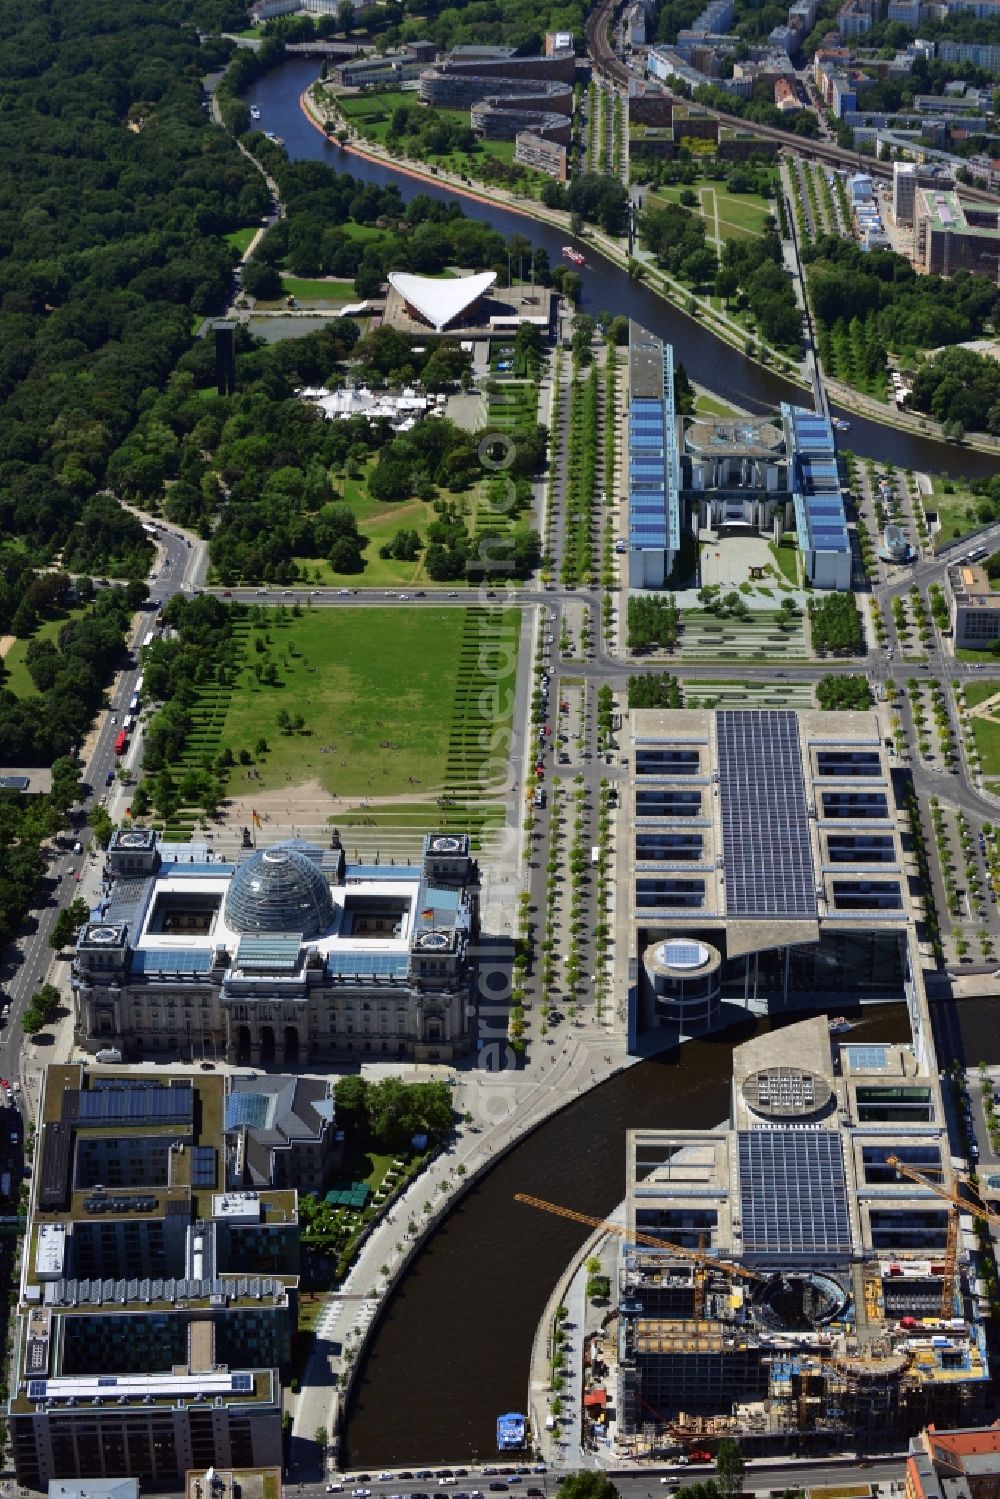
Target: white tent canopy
440, 302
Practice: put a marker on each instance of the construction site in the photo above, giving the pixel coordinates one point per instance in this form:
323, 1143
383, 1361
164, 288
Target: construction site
815, 1269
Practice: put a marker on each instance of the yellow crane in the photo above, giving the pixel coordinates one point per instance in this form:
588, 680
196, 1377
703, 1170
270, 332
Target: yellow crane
976, 1207
698, 1257
955, 1203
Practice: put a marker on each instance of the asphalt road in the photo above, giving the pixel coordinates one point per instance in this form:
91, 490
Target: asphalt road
26, 965
776, 1474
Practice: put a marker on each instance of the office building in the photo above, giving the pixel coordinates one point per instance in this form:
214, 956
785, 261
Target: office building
727, 476
817, 498
653, 463
156, 1306
375, 71
763, 870
973, 606
528, 100
904, 192
287, 954
953, 236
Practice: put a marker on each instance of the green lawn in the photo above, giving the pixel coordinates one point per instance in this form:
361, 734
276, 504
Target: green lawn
741, 215
17, 679
240, 238
711, 405
978, 692
380, 520
320, 290
786, 558
356, 106
956, 511
378, 689
986, 733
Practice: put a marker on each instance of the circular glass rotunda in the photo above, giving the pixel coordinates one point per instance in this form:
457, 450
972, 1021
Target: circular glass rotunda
279, 889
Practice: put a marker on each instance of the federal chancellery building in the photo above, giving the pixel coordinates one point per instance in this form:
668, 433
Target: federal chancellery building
287, 954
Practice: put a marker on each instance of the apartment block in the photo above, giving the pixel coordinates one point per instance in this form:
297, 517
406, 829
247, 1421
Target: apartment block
953, 236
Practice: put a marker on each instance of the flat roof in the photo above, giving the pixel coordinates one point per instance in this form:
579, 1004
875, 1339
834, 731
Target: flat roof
767, 851
110, 1386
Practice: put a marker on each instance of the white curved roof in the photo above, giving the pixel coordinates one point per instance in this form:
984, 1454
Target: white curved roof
440, 302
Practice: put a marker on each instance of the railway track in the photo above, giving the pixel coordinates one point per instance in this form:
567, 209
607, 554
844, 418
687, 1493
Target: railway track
609, 67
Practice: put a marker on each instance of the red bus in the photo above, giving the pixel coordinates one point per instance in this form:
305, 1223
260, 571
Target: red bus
121, 743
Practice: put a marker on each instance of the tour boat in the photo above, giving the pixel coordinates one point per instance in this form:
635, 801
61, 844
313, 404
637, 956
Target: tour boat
512, 1431
839, 1024
841, 425
573, 255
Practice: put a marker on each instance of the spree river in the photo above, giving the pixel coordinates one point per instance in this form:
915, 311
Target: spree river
707, 359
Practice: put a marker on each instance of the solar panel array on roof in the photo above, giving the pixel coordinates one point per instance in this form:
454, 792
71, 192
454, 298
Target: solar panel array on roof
767, 854
203, 1166
654, 471
819, 507
793, 1193
128, 1105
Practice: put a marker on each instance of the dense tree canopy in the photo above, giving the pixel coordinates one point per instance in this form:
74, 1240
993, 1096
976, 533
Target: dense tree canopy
116, 193
960, 387
910, 311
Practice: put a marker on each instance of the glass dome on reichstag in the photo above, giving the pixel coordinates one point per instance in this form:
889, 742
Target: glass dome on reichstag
279, 889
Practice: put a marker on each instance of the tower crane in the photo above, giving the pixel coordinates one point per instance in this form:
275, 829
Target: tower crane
955, 1204
977, 1206
699, 1258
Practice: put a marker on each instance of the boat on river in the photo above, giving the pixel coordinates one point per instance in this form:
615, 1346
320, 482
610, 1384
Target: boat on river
512, 1432
573, 255
840, 1025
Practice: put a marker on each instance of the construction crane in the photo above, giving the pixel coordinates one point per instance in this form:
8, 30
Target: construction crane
696, 1256
977, 1207
955, 1203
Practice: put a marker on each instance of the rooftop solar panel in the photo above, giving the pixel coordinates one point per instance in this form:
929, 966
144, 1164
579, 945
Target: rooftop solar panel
765, 822
793, 1193
203, 1166
173, 1105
